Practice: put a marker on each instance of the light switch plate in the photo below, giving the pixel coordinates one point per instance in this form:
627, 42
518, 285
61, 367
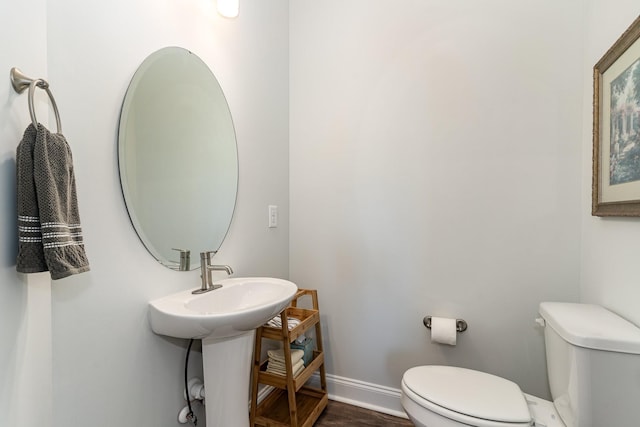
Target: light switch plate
273, 216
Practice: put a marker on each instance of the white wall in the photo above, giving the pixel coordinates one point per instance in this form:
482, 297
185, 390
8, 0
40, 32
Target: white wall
610, 267
435, 170
437, 152
108, 368
25, 314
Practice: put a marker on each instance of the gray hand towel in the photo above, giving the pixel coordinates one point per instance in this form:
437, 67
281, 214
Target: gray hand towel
50, 236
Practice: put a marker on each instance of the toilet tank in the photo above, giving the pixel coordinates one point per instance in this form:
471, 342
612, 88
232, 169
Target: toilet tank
593, 364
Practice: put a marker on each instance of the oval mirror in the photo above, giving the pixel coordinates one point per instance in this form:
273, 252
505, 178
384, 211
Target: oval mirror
177, 156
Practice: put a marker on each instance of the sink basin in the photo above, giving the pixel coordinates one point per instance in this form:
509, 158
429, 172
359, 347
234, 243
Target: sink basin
225, 319
241, 305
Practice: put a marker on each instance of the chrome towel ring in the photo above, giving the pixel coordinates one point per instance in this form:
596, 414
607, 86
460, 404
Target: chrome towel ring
20, 82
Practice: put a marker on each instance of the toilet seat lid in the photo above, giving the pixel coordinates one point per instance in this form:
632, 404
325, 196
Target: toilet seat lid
472, 393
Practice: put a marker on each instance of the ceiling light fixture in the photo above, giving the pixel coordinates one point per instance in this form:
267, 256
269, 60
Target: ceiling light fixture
228, 8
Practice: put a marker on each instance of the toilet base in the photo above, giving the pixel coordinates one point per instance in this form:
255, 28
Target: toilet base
543, 412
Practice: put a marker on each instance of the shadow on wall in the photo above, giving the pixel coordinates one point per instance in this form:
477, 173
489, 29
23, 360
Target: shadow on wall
13, 296
9, 224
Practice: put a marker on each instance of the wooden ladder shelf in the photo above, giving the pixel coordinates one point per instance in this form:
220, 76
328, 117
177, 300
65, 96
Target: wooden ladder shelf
292, 402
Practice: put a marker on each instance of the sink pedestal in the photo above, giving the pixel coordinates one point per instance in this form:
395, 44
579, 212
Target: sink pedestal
227, 378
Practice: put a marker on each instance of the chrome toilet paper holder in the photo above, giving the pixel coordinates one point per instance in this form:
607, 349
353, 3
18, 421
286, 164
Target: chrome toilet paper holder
461, 325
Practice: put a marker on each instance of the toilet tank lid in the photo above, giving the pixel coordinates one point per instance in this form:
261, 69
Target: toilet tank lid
591, 326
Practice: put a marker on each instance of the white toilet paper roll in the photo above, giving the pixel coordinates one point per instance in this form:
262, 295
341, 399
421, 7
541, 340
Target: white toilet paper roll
443, 330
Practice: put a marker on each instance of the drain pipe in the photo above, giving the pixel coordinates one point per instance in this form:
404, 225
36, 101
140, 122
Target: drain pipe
193, 392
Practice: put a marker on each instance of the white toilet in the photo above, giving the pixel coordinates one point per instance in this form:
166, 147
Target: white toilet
593, 365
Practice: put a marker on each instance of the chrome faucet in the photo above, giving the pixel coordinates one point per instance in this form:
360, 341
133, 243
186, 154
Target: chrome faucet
205, 272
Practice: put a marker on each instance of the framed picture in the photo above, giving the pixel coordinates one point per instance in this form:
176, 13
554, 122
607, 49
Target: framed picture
616, 128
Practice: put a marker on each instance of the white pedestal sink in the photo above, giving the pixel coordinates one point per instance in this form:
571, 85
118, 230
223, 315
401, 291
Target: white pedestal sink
225, 319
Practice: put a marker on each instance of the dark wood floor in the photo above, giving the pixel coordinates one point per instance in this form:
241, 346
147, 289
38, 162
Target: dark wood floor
342, 415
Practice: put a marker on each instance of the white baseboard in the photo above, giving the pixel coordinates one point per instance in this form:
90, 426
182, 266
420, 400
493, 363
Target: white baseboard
357, 393
365, 395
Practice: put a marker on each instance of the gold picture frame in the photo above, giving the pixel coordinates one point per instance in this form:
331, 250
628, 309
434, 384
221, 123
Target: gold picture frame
616, 128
